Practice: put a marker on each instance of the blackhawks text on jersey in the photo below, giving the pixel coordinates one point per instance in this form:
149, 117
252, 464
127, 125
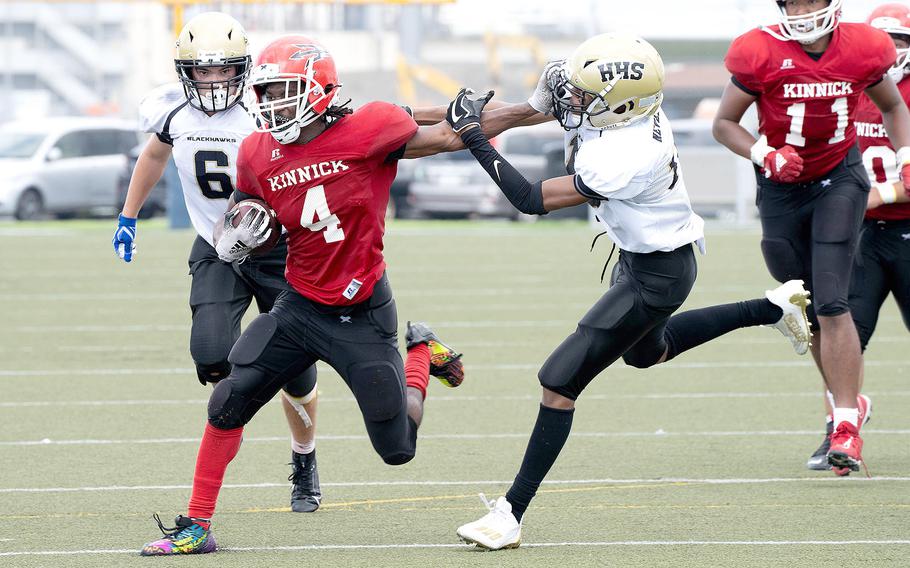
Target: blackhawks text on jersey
806, 103
330, 194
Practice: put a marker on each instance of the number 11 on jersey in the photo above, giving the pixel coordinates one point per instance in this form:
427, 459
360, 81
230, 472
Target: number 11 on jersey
317, 217
797, 114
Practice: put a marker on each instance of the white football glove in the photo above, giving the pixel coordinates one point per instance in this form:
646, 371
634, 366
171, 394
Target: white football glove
236, 243
541, 99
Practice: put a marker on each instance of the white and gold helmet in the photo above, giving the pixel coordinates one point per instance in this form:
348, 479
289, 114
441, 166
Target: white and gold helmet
808, 28
611, 80
212, 39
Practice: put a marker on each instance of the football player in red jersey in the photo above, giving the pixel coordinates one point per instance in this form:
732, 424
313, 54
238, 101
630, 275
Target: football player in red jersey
806, 75
326, 171
882, 263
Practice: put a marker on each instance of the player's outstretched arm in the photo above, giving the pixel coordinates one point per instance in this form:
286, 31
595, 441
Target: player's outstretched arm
439, 138
149, 168
539, 198
427, 116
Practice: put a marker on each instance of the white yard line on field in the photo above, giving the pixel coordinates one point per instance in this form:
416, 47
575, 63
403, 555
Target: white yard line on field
468, 483
602, 544
426, 437
450, 398
477, 367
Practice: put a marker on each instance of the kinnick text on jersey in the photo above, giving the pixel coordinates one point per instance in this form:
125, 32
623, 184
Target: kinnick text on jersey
817, 90
870, 130
306, 173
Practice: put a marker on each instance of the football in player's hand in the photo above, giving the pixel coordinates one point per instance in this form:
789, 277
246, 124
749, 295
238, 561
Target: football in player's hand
261, 221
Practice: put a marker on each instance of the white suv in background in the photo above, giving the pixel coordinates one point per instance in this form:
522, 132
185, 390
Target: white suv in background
62, 165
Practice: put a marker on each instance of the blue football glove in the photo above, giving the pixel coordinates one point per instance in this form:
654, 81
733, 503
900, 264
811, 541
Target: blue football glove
124, 237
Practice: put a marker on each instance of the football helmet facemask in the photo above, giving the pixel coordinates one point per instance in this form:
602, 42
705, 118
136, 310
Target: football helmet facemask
214, 40
808, 28
307, 71
894, 19
611, 80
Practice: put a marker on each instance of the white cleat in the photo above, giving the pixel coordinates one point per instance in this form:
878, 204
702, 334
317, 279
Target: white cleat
792, 298
496, 530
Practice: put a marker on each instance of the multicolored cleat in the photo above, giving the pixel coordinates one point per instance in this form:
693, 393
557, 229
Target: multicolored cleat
190, 536
445, 363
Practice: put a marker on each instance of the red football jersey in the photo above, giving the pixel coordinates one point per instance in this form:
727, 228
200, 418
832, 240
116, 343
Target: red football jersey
811, 104
878, 153
331, 195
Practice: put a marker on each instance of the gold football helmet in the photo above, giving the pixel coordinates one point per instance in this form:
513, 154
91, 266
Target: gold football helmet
611, 80
214, 40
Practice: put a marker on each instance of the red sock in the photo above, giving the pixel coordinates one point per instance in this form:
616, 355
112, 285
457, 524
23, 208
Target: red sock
216, 451
417, 368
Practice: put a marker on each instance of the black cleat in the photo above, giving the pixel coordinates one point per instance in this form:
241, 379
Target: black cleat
445, 363
305, 493
819, 460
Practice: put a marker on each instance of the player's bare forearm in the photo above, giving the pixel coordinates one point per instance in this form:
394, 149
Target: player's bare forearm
510, 115
727, 128
149, 169
883, 193
733, 136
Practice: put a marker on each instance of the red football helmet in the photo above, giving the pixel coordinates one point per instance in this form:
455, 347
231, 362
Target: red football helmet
307, 72
895, 20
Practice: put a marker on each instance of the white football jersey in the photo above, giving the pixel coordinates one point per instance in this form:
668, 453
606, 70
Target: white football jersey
634, 172
205, 150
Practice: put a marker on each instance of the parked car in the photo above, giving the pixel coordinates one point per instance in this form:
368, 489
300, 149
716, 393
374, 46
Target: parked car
156, 203
62, 165
454, 184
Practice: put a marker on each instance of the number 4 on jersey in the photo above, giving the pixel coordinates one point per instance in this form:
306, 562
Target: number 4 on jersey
317, 217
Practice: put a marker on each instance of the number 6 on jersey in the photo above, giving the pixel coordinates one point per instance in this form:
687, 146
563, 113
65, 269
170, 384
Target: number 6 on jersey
317, 217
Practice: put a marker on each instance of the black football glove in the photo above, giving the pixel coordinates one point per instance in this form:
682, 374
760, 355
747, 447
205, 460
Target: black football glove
463, 113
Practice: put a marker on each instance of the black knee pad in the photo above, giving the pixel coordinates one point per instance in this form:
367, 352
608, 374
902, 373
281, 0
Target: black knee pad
303, 384
399, 458
254, 340
782, 260
829, 294
212, 372
643, 359
212, 333
565, 362
379, 390
226, 407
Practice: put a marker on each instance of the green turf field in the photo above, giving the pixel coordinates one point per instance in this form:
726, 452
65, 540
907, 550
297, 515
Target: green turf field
699, 462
